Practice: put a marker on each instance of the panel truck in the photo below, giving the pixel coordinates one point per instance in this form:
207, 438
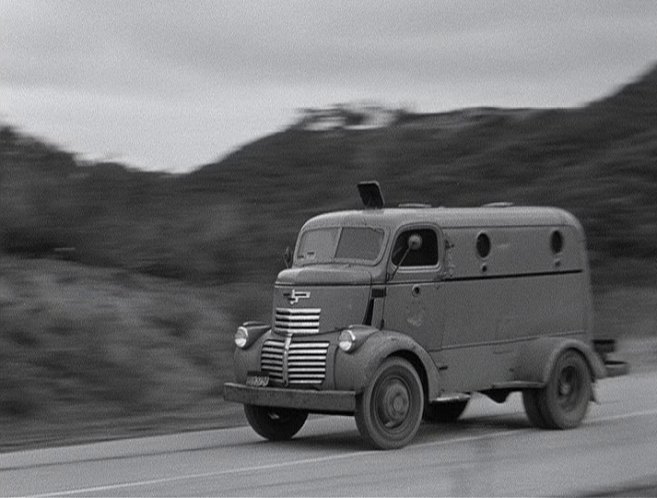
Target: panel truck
395, 315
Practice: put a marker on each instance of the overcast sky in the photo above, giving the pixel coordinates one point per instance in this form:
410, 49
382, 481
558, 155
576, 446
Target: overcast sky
172, 85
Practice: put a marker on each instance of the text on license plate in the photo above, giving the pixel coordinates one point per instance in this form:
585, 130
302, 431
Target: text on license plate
257, 379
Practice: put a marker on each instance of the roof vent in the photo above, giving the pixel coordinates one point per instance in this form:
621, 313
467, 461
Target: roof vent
498, 205
370, 194
414, 205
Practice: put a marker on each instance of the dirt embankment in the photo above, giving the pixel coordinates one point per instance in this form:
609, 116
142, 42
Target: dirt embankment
100, 353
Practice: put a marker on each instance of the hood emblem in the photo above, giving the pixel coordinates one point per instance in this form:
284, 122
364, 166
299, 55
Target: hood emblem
295, 296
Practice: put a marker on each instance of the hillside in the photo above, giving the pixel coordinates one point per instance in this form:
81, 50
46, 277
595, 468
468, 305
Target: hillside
599, 161
230, 220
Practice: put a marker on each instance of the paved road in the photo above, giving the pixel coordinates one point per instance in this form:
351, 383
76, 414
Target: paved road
491, 451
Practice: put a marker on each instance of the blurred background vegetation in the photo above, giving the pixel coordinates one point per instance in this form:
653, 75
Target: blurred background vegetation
229, 221
119, 284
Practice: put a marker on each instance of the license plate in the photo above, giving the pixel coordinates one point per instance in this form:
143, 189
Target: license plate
257, 379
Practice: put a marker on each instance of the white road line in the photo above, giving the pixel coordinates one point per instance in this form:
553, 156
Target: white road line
609, 418
205, 474
307, 461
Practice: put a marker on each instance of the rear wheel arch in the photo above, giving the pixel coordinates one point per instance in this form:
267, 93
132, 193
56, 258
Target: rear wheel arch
591, 360
537, 359
579, 353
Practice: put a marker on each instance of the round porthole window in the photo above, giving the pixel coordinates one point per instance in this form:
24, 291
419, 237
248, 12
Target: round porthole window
556, 242
483, 245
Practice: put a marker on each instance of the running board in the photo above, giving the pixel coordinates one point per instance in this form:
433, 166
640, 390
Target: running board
451, 397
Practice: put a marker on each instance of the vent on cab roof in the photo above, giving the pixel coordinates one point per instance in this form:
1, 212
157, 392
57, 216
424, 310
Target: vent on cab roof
414, 205
498, 205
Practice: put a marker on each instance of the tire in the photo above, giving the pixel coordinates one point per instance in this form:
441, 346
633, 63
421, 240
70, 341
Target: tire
530, 401
275, 424
564, 401
444, 412
389, 412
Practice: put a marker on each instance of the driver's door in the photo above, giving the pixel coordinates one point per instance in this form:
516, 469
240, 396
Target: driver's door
414, 294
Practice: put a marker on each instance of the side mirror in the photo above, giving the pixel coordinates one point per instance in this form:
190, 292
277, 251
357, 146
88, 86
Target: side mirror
414, 242
287, 257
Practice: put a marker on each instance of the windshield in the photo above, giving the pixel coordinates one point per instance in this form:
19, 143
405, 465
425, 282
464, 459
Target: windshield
325, 245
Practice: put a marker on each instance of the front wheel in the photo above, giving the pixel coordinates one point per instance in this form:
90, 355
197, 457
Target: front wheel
275, 424
389, 412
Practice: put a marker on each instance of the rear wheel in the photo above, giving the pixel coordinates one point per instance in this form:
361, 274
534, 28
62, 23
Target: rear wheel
389, 412
530, 401
444, 412
564, 401
276, 424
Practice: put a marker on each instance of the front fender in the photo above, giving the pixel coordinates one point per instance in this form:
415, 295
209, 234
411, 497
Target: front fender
537, 358
245, 360
354, 371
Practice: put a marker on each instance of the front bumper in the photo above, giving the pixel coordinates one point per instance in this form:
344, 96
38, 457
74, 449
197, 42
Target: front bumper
302, 399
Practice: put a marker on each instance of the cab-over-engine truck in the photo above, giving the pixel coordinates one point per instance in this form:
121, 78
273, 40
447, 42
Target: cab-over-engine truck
398, 314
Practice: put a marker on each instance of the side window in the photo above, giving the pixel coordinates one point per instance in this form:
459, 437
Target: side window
426, 255
483, 245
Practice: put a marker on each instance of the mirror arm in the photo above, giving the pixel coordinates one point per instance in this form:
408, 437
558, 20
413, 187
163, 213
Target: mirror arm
287, 257
394, 272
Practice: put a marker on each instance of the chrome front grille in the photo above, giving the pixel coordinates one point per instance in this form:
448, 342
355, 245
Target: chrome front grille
271, 359
290, 362
306, 362
297, 321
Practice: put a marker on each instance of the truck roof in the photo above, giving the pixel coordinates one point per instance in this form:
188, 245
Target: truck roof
486, 216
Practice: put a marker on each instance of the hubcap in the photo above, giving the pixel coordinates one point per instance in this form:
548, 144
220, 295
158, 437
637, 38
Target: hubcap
394, 403
568, 388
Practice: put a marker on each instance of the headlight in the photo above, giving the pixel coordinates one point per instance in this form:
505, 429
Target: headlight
248, 333
347, 340
354, 336
241, 337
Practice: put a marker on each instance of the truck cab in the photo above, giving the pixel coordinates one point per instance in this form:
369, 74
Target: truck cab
395, 315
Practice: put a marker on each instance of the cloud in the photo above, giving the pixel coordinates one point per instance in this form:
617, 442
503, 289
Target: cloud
160, 45
245, 66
